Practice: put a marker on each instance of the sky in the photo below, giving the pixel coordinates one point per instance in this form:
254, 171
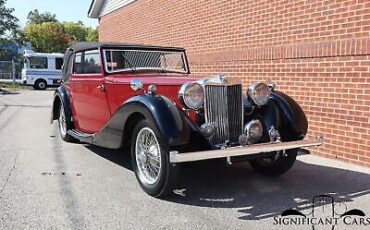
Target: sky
65, 10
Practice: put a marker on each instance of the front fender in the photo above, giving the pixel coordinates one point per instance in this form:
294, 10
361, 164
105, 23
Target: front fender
294, 123
171, 121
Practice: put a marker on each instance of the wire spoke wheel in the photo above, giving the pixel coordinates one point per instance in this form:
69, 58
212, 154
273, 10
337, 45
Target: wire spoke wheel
62, 122
148, 156
150, 160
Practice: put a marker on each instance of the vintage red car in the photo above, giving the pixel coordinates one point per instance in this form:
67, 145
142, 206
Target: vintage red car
117, 95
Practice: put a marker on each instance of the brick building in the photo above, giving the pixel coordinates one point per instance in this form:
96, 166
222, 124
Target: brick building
317, 51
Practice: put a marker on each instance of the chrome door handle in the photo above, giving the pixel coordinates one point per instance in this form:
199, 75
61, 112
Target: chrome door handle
101, 87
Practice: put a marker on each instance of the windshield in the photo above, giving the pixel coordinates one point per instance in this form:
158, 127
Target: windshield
141, 60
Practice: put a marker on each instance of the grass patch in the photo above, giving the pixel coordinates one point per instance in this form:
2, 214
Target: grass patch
16, 86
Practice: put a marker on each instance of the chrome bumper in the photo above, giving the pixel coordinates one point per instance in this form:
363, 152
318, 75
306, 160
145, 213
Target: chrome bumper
176, 157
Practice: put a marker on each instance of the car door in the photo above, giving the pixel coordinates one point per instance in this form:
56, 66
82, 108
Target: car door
89, 98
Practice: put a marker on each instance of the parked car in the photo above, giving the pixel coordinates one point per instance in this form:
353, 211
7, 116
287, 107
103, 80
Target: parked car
117, 95
42, 69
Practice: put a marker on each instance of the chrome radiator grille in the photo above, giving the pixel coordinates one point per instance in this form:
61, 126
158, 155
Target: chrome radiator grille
224, 109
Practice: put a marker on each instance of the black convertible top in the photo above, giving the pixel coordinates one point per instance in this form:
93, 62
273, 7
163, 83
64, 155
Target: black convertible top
80, 46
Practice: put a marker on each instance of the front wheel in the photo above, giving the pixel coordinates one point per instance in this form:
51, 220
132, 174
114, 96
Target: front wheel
277, 164
150, 159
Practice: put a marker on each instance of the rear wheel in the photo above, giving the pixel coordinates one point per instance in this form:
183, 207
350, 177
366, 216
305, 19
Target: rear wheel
63, 125
276, 165
150, 159
40, 84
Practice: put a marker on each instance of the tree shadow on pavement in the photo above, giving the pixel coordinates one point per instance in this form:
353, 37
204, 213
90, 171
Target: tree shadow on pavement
3, 92
260, 197
214, 184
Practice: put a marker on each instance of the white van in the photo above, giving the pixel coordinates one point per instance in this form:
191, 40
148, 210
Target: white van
42, 69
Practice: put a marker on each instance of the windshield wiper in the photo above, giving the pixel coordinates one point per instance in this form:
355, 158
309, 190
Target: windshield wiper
171, 71
131, 65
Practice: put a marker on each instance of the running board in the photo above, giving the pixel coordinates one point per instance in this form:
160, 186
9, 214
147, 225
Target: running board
81, 136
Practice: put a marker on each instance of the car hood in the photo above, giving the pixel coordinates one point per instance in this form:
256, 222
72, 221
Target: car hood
167, 84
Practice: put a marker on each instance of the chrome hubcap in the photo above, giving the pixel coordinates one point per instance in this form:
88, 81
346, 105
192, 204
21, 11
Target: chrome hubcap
148, 156
41, 85
62, 122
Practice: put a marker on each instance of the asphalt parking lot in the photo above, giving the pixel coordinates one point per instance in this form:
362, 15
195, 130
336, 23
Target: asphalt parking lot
48, 184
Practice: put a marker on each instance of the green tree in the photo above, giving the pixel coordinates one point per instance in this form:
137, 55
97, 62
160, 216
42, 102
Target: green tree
46, 34
8, 22
47, 37
77, 31
6, 53
92, 35
34, 16
8, 28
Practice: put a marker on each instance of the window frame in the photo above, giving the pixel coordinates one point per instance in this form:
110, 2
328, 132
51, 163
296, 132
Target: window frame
67, 70
105, 65
82, 52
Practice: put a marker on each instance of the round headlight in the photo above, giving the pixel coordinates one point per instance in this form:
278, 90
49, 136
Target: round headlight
259, 93
192, 95
253, 130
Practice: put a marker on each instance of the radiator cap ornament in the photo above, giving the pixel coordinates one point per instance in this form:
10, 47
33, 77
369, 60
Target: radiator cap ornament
220, 78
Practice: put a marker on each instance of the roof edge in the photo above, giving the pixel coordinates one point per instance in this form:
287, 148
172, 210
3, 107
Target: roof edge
95, 8
80, 46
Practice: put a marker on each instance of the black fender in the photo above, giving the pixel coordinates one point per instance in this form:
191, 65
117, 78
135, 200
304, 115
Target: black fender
294, 123
271, 117
171, 121
61, 96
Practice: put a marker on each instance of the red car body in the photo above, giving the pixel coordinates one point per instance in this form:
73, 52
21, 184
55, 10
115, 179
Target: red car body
113, 95
93, 107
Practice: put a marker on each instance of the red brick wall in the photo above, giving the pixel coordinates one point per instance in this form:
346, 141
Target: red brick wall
316, 51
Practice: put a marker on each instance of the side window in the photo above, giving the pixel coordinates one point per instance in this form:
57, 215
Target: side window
38, 62
77, 66
58, 63
67, 67
92, 62
87, 62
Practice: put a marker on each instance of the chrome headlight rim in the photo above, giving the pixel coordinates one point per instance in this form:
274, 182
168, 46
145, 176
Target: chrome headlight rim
252, 136
254, 95
183, 95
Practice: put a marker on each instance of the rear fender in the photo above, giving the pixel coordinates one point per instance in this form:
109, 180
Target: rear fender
61, 96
